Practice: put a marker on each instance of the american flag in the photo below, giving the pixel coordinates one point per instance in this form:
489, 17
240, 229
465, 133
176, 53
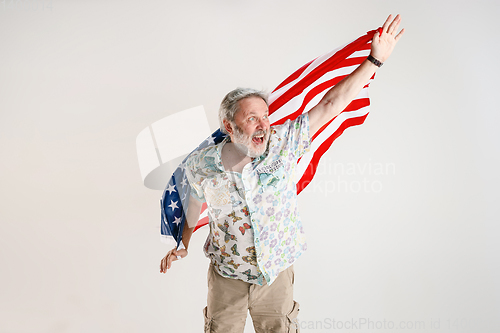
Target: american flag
297, 94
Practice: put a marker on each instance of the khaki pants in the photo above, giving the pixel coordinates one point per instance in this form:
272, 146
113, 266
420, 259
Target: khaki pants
272, 307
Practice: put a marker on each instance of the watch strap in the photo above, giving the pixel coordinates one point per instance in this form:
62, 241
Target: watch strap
376, 62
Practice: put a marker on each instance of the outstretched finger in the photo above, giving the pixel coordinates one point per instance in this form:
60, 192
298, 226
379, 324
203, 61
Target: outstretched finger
398, 36
394, 24
386, 23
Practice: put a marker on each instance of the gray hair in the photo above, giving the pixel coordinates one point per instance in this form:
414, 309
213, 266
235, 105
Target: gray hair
230, 105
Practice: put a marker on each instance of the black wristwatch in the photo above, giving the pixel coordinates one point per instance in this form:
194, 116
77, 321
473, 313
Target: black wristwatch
375, 61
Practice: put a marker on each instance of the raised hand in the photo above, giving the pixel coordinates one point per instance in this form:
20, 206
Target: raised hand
383, 44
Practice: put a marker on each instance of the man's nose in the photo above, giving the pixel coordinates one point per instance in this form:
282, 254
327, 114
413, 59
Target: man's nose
262, 124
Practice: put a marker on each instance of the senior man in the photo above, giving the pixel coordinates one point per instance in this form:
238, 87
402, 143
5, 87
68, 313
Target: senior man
247, 181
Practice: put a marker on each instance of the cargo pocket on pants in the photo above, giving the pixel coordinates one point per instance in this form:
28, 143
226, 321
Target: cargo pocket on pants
208, 321
293, 322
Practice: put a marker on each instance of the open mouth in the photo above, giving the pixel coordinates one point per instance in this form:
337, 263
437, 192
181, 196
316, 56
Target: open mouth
258, 139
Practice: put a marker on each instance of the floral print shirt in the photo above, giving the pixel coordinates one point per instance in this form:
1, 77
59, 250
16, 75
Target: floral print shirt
255, 228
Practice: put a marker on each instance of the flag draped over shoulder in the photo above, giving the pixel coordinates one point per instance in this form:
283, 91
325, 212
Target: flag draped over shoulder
297, 94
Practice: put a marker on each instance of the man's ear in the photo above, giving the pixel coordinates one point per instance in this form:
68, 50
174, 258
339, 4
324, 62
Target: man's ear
227, 126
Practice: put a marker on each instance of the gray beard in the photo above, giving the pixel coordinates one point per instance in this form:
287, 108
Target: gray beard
245, 150
242, 142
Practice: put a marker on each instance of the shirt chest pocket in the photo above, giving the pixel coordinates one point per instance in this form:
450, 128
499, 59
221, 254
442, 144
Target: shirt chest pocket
273, 175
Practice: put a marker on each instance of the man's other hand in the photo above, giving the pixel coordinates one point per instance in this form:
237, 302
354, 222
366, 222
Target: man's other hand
171, 256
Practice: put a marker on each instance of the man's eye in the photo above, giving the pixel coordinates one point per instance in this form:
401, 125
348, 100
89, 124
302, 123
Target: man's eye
251, 118
265, 117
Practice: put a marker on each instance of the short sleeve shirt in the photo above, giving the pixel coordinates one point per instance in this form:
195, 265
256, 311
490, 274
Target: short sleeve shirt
255, 228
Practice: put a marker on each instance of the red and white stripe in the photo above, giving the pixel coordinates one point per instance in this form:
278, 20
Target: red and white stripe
303, 90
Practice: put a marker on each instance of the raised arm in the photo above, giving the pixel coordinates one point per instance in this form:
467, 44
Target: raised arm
339, 97
192, 217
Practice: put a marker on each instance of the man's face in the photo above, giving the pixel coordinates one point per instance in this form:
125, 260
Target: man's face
252, 128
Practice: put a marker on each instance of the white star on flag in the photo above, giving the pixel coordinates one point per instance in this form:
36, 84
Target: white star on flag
177, 221
184, 183
173, 204
210, 140
171, 189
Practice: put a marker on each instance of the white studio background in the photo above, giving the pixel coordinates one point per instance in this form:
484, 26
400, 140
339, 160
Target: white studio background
402, 219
